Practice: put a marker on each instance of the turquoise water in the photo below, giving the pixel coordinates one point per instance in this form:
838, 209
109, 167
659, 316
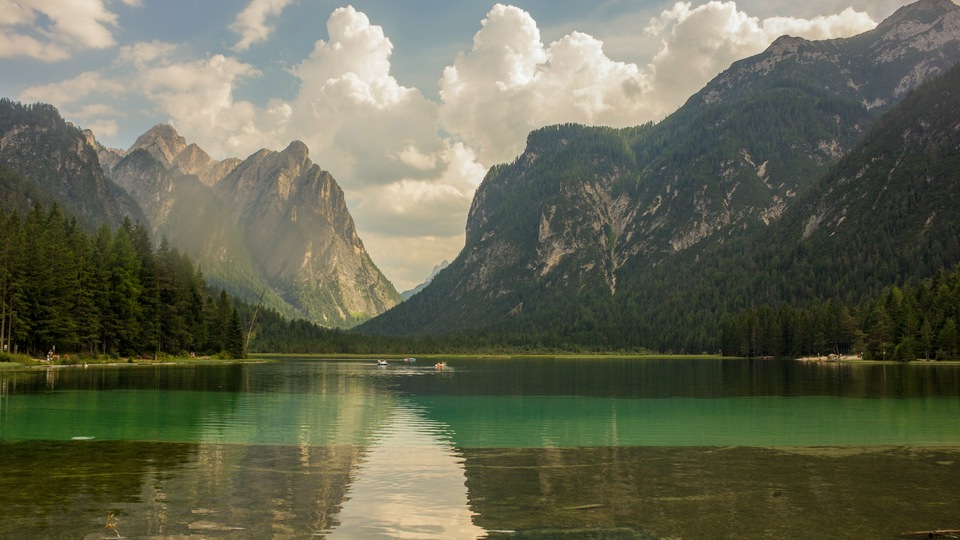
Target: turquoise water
653, 448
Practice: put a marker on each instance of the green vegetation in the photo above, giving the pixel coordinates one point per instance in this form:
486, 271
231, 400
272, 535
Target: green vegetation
900, 324
884, 215
63, 292
666, 238
55, 165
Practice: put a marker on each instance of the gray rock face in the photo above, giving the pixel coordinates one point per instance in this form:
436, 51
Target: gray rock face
60, 161
162, 142
274, 221
295, 219
584, 208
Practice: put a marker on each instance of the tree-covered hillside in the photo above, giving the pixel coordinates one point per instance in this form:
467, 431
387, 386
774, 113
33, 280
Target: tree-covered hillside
112, 293
590, 238
899, 324
56, 163
886, 214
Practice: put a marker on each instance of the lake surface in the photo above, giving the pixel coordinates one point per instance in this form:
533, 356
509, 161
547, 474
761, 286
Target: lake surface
604, 448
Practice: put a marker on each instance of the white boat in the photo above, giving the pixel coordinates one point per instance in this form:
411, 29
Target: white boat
381, 362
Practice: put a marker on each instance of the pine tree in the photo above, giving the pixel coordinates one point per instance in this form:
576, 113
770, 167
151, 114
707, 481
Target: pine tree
234, 341
947, 340
124, 294
84, 305
149, 319
100, 287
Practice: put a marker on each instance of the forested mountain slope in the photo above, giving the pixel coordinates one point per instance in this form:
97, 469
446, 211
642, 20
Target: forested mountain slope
46, 159
189, 216
885, 215
604, 238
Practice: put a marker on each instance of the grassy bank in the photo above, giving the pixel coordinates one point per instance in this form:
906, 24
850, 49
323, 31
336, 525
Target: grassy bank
481, 356
17, 361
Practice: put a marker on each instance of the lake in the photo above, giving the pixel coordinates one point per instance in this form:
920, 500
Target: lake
534, 448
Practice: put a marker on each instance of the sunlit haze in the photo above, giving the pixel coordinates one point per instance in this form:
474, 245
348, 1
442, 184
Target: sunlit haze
407, 104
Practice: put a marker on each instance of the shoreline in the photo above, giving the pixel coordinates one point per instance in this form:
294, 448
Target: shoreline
857, 359
268, 357
42, 364
494, 356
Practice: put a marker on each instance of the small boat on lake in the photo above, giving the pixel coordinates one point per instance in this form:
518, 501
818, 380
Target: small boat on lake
440, 365
410, 360
381, 362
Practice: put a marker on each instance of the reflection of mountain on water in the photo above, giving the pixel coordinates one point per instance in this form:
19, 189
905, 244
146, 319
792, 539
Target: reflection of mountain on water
274, 461
410, 484
302, 411
712, 492
269, 491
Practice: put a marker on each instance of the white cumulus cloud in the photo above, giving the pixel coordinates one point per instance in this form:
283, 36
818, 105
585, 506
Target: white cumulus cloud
367, 128
510, 82
53, 30
409, 165
700, 42
67, 92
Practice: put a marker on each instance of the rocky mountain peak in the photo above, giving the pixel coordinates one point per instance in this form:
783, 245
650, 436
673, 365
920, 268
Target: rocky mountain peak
877, 67
163, 142
193, 160
920, 11
61, 162
297, 150
786, 44
192, 154
932, 22
295, 158
108, 156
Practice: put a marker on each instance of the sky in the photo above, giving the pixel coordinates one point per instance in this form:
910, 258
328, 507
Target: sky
406, 102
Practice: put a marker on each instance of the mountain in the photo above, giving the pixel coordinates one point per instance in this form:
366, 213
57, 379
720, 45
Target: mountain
436, 270
294, 218
901, 185
50, 160
193, 219
274, 223
588, 237
171, 149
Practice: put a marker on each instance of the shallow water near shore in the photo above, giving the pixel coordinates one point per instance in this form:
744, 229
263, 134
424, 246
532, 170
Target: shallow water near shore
604, 448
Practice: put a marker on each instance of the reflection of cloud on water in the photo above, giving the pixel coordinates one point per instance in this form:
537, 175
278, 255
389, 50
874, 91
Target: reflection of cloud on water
411, 484
320, 412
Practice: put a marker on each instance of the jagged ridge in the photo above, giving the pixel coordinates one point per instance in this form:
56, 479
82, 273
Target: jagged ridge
273, 221
586, 218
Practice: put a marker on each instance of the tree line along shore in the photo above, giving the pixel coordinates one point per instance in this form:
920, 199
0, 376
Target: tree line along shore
902, 324
113, 295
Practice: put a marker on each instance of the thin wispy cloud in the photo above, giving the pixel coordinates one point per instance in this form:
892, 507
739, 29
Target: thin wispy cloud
252, 24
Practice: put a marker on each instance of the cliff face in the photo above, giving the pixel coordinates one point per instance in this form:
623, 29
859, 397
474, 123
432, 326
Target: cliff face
273, 222
734, 157
59, 160
294, 217
585, 210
